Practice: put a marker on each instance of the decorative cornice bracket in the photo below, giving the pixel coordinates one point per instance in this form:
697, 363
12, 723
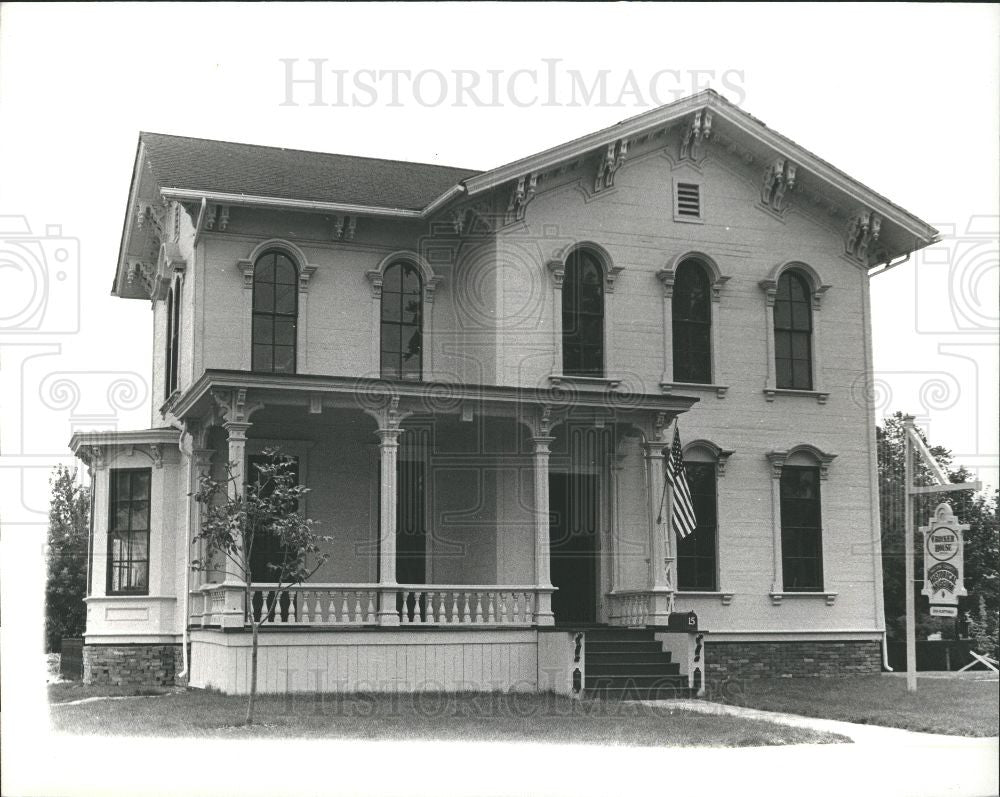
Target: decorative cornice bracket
779, 178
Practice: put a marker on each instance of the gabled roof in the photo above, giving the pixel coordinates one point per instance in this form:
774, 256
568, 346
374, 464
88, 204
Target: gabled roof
198, 171
220, 166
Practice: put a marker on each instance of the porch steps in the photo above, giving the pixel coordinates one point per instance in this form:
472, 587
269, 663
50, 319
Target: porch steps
630, 664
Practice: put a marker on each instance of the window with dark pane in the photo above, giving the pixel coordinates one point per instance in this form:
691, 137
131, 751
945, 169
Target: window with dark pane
583, 316
696, 554
128, 532
275, 313
402, 322
267, 548
168, 349
175, 335
692, 324
801, 535
793, 333
173, 338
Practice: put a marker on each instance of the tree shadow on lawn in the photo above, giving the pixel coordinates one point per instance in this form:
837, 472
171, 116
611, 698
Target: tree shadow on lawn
490, 717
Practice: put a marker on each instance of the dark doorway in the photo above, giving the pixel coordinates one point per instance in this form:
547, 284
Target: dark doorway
411, 530
573, 504
411, 535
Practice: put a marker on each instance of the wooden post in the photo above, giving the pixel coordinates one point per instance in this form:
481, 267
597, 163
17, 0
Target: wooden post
389, 454
911, 631
543, 576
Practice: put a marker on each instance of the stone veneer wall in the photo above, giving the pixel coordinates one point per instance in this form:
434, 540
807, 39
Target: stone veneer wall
791, 659
132, 665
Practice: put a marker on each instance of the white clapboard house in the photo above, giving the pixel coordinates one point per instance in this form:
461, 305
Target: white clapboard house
477, 373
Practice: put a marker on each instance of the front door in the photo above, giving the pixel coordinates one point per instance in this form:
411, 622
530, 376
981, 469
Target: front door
573, 503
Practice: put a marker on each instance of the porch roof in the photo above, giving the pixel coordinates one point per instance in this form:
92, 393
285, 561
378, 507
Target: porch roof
603, 397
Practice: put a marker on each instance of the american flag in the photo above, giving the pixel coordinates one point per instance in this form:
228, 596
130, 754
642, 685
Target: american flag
682, 509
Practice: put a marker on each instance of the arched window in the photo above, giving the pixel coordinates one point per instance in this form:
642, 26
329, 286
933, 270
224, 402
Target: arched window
793, 333
697, 561
583, 315
172, 335
275, 313
692, 324
801, 529
402, 322
168, 348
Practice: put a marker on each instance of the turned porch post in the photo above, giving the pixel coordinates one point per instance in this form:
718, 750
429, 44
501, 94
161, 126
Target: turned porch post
233, 615
660, 586
388, 492
543, 577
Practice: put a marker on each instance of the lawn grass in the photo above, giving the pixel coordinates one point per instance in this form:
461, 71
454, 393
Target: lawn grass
966, 706
437, 716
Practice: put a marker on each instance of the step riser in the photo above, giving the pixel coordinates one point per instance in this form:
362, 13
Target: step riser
624, 647
607, 656
637, 681
614, 695
632, 669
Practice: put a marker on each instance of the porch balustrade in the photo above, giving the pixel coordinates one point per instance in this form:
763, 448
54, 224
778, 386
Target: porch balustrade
345, 605
640, 607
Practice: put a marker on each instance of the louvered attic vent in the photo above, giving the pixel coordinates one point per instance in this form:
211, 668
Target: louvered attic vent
688, 200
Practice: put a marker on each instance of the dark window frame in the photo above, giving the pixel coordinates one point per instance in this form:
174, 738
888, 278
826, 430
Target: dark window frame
700, 549
266, 315
801, 530
173, 336
691, 323
115, 503
398, 301
583, 316
793, 332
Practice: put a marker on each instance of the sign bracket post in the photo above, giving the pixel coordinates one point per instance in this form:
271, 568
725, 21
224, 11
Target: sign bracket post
913, 441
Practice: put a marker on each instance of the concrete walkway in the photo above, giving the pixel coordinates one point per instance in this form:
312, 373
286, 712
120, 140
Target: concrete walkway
862, 734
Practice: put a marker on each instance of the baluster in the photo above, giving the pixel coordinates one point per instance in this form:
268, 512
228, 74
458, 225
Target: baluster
406, 609
502, 597
422, 606
455, 610
529, 611
300, 605
479, 607
490, 614
466, 616
442, 615
371, 608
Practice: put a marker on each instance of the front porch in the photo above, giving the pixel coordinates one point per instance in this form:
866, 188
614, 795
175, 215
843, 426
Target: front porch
482, 517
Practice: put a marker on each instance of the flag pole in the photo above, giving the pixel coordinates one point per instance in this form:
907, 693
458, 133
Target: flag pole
911, 631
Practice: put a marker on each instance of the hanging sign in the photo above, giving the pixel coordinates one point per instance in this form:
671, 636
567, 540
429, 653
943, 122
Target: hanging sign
944, 561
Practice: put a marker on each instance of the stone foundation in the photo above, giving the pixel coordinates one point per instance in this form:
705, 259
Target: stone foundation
747, 660
132, 665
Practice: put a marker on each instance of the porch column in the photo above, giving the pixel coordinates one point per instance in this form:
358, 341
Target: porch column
200, 463
543, 577
388, 491
233, 613
660, 587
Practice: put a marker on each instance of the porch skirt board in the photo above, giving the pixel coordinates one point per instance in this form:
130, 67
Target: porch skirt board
385, 661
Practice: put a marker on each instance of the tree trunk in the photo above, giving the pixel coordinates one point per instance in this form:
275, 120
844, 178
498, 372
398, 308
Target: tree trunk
253, 673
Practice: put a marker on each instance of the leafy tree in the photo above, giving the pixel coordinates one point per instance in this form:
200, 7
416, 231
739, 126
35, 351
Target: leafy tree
66, 558
264, 515
982, 551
